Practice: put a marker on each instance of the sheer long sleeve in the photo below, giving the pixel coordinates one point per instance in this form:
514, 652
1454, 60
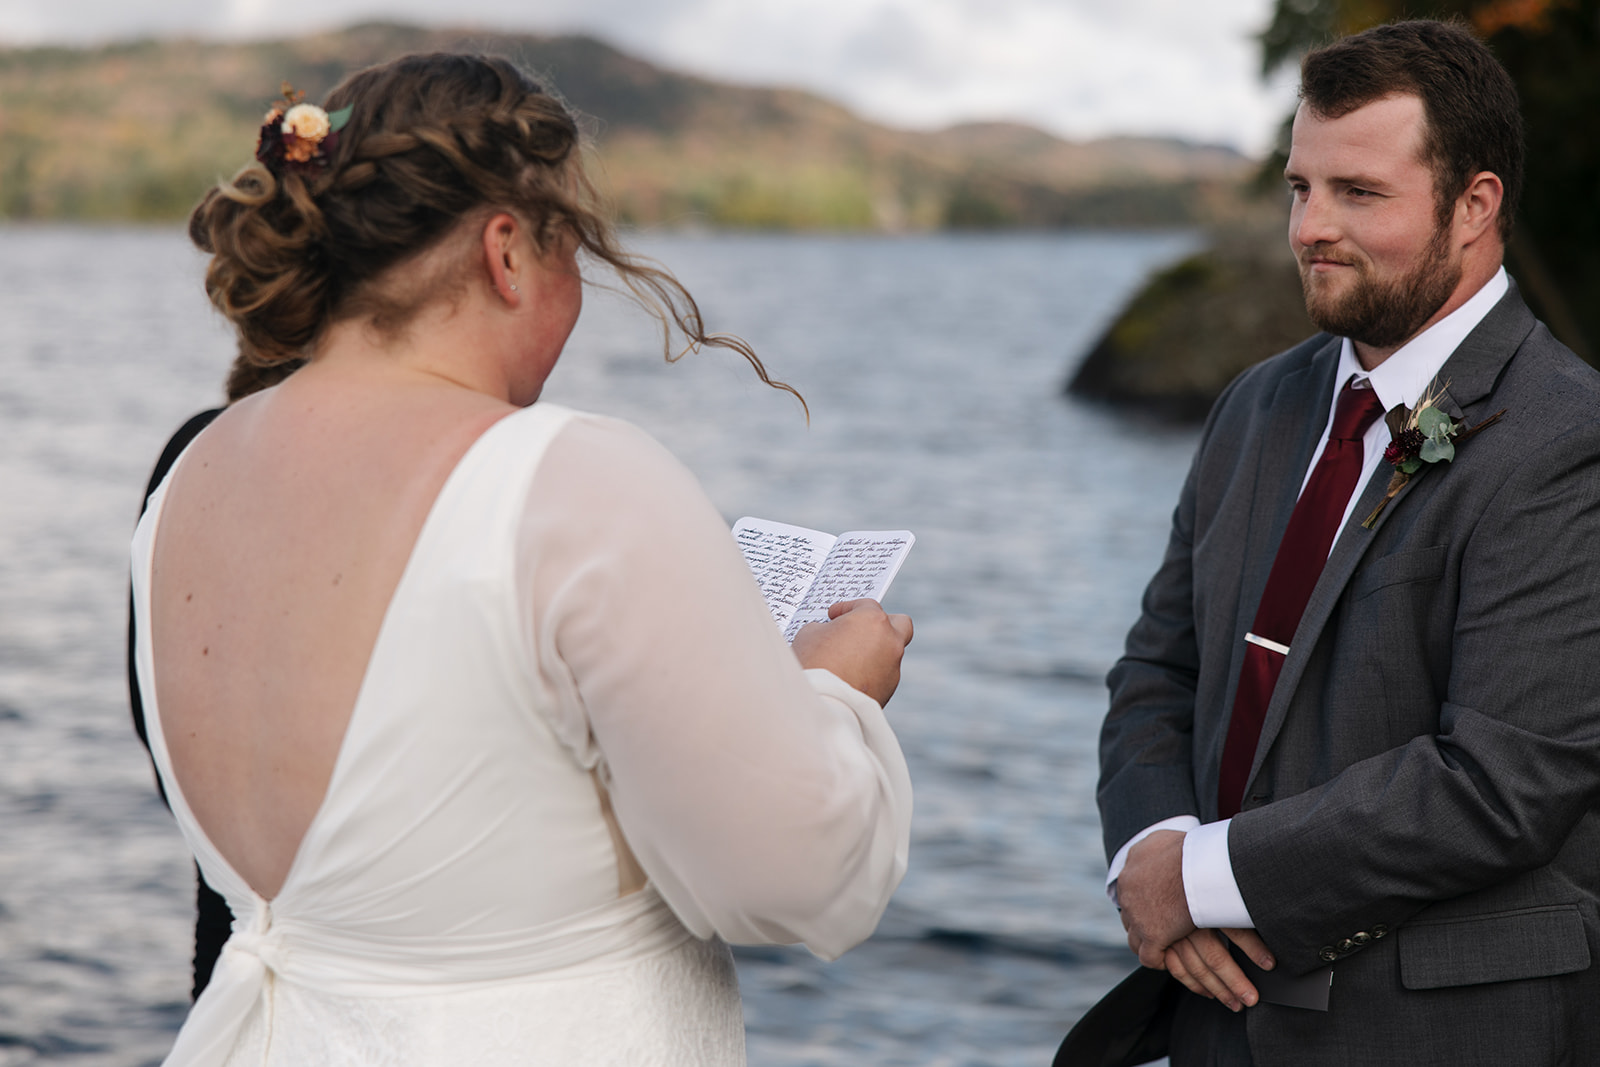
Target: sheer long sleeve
767, 804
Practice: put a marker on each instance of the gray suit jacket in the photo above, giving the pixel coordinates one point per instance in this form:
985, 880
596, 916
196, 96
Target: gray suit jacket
1424, 805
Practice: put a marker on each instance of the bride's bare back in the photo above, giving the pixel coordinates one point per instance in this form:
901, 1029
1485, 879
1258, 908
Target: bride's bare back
285, 532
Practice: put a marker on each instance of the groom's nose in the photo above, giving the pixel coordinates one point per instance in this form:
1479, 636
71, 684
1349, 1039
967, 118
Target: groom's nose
1313, 221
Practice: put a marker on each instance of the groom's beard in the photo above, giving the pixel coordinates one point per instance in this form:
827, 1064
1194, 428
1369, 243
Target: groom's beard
1378, 311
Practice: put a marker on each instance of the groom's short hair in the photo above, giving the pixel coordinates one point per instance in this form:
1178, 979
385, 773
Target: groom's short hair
1474, 123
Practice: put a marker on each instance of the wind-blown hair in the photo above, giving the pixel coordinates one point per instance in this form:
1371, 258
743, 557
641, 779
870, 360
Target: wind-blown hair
1474, 122
432, 140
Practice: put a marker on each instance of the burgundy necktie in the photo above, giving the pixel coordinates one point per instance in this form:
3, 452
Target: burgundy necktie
1299, 562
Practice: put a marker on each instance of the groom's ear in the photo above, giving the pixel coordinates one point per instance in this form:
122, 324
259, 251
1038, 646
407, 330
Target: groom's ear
1477, 210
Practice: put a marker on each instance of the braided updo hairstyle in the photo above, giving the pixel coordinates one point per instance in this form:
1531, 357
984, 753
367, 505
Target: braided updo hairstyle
431, 140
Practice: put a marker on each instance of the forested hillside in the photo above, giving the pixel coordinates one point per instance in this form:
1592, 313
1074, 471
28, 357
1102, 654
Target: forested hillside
137, 130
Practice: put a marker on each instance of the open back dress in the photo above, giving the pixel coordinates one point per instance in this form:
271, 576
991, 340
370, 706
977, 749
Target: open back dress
575, 669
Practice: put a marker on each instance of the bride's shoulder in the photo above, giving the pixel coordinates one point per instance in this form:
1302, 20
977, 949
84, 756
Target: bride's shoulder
599, 442
607, 464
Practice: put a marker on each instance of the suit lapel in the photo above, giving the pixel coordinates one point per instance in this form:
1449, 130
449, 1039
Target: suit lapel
1288, 436
1282, 469
1471, 372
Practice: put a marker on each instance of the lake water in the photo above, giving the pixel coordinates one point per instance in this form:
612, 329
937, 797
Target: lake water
933, 366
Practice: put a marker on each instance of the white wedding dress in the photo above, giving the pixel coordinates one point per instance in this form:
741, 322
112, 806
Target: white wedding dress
574, 635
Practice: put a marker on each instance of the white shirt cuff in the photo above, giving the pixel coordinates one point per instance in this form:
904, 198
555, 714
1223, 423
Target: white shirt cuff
1208, 882
1182, 823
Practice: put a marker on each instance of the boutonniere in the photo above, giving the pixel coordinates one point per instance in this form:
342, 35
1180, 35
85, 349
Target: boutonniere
1420, 437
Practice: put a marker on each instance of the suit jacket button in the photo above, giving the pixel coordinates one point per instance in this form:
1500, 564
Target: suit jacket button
1347, 945
1362, 938
1380, 931
1327, 955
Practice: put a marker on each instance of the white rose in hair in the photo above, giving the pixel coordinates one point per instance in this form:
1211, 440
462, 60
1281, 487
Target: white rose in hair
306, 121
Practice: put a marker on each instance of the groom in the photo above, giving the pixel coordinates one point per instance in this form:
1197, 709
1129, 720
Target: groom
1350, 776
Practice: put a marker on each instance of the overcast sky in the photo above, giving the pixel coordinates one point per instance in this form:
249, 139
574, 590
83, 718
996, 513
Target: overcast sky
1079, 68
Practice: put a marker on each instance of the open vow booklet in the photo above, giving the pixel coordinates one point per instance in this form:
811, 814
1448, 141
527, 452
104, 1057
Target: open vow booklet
804, 572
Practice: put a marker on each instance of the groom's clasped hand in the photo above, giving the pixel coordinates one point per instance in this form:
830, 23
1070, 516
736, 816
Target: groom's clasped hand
1155, 912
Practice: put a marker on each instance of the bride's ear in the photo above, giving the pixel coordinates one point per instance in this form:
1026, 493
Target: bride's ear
505, 256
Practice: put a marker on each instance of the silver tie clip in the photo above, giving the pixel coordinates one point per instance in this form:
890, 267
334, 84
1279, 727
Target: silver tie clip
1269, 645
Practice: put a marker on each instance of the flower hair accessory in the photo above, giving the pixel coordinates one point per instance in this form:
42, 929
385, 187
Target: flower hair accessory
1419, 437
299, 137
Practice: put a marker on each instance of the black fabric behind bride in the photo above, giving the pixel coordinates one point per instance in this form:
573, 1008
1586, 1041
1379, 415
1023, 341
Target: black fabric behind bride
213, 921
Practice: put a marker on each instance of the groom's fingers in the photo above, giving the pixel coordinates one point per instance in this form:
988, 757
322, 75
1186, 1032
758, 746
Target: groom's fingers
1203, 983
1144, 952
1251, 944
1185, 964
1150, 955
1208, 969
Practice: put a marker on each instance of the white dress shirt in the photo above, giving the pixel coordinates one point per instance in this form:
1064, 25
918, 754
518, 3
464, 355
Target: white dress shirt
1403, 378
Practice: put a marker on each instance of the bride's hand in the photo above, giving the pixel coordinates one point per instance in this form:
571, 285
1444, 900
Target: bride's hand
860, 643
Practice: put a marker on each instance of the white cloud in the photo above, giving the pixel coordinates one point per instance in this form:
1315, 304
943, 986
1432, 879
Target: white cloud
1080, 68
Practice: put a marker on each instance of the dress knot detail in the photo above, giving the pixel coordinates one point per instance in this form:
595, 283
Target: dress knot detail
258, 938
255, 950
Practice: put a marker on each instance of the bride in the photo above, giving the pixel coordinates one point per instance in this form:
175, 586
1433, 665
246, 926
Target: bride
465, 702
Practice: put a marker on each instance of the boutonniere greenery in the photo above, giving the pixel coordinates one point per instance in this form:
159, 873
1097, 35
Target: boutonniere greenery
1420, 437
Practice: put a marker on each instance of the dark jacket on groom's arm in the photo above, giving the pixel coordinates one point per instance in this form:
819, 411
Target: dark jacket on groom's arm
214, 921
1423, 810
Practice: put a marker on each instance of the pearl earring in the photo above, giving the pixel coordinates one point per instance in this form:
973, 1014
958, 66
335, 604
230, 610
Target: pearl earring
513, 288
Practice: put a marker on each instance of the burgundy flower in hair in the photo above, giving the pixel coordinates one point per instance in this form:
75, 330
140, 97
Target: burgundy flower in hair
299, 137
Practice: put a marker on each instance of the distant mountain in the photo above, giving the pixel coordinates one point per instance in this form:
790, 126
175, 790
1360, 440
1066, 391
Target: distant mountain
138, 130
